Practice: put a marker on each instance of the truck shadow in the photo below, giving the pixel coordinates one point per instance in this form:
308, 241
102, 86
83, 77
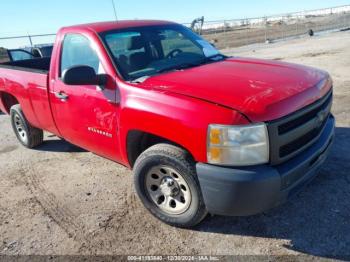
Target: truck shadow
60, 146
314, 222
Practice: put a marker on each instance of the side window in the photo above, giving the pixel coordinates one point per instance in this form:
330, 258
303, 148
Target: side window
76, 51
173, 40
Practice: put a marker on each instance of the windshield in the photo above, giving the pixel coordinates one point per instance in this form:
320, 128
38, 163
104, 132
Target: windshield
146, 51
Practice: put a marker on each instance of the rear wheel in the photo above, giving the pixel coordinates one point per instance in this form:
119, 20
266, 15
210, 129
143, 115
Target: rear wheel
166, 182
27, 135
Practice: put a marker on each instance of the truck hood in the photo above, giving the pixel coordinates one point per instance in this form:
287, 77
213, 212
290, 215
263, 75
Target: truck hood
262, 90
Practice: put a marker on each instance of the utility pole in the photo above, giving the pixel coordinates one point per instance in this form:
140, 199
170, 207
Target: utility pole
115, 10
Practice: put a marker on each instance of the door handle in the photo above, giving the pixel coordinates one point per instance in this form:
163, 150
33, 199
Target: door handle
112, 102
62, 96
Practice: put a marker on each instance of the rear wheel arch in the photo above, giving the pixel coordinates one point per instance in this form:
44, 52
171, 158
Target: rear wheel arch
8, 100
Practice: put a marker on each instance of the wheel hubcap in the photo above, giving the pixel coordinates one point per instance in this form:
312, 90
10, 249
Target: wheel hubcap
20, 129
168, 190
169, 187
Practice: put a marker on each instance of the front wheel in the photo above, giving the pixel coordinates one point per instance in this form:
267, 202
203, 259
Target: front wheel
166, 182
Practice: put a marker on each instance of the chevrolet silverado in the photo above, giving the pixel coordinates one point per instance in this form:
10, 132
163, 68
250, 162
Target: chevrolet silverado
203, 132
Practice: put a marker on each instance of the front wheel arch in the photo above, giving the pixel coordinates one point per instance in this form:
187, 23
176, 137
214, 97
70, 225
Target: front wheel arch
138, 141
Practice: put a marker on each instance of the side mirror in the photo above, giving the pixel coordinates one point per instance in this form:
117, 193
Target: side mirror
83, 75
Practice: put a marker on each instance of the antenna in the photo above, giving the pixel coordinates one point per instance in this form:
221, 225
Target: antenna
115, 10
30, 39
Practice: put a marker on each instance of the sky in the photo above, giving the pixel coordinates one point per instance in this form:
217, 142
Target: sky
20, 17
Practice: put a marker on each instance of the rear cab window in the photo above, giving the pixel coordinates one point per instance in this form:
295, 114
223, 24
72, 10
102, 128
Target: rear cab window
172, 40
126, 46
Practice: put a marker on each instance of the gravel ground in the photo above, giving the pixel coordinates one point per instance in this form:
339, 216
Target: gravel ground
61, 200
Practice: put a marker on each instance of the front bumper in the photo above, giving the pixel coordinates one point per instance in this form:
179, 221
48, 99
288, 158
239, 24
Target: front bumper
247, 191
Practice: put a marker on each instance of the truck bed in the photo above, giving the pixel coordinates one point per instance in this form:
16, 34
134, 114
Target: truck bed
27, 81
38, 65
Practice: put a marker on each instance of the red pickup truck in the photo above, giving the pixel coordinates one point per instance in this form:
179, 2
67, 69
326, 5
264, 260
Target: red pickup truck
203, 132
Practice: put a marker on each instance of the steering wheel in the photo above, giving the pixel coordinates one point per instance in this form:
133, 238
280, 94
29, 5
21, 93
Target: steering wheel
174, 53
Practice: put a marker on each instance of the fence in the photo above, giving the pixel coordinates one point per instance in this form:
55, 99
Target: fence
239, 32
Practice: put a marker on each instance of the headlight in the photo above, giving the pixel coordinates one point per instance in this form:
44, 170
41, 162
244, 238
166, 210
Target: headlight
238, 145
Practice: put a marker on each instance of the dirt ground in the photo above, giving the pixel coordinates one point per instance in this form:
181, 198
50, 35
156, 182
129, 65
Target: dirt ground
60, 200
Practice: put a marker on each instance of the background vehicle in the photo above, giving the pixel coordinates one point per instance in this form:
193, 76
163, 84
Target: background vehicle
39, 51
203, 132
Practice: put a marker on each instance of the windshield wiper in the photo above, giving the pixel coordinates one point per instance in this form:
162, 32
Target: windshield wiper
213, 58
139, 80
177, 67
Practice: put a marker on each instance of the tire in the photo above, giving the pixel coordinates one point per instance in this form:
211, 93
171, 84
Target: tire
26, 134
180, 204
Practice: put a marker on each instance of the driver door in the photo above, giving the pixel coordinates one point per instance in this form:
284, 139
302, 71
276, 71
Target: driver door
85, 115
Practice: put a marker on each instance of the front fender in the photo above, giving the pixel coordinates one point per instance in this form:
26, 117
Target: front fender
177, 118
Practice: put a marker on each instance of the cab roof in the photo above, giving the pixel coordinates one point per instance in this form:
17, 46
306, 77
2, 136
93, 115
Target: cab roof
115, 25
